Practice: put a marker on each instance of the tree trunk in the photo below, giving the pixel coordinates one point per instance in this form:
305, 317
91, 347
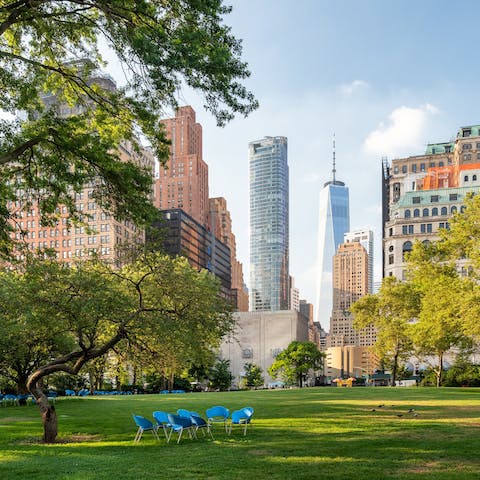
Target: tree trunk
394, 369
440, 369
48, 413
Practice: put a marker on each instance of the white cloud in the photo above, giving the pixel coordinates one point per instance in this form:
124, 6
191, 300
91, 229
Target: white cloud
404, 132
311, 177
349, 88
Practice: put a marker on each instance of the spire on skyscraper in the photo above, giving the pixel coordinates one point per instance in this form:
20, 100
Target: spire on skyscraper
333, 169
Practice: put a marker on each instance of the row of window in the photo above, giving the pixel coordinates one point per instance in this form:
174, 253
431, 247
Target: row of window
414, 169
426, 212
424, 228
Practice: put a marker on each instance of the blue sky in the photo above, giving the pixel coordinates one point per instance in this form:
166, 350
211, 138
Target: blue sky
387, 77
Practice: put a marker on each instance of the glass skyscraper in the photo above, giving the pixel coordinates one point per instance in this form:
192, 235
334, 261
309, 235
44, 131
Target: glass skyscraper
269, 273
334, 222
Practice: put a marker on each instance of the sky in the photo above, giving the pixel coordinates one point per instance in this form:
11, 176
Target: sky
386, 77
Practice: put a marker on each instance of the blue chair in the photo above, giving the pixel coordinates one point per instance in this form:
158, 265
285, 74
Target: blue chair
178, 424
218, 414
143, 425
162, 422
10, 399
199, 423
241, 417
70, 393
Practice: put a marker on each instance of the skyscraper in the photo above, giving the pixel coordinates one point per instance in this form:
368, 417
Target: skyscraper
221, 226
184, 182
350, 283
269, 274
334, 222
365, 238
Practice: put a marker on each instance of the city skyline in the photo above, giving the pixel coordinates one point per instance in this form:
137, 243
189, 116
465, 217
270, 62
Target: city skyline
328, 76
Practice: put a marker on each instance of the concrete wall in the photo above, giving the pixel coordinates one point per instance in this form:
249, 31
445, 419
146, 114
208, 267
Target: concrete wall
259, 337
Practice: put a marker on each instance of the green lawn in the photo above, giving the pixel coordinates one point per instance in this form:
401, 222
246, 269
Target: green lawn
325, 433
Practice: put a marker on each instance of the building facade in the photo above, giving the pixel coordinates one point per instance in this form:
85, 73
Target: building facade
334, 222
350, 283
365, 238
259, 337
99, 233
221, 226
182, 235
269, 224
183, 182
421, 193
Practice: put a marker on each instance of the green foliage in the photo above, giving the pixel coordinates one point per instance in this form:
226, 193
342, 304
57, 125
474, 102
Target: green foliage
159, 309
220, 375
390, 312
73, 120
440, 321
462, 374
253, 375
293, 363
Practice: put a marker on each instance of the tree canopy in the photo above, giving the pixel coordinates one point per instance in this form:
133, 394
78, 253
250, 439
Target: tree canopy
71, 118
79, 314
389, 311
293, 363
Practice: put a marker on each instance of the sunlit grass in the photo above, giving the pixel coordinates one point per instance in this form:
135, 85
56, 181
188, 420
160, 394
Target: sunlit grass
327, 433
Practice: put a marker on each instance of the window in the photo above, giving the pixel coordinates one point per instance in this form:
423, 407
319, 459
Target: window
405, 229
390, 232
390, 248
434, 198
462, 208
426, 242
408, 213
465, 178
416, 200
453, 197
410, 229
441, 164
444, 211
422, 167
395, 169
407, 247
432, 164
467, 146
425, 212
414, 168
429, 228
434, 211
404, 169
467, 156
416, 212
453, 210
391, 260
423, 228
474, 178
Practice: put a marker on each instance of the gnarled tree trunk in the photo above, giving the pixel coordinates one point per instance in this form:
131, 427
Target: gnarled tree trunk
47, 411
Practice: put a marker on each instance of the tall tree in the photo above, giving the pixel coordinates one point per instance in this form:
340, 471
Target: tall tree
390, 311
220, 376
90, 309
49, 56
440, 321
293, 363
253, 375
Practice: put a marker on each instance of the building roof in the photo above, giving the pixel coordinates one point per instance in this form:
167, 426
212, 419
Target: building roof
444, 196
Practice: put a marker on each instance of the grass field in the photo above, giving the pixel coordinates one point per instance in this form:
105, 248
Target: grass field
323, 433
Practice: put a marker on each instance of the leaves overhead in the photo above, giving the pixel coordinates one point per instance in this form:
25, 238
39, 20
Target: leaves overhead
73, 118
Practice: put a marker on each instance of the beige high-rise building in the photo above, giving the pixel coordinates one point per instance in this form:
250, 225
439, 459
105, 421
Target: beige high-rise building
350, 283
183, 182
221, 225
